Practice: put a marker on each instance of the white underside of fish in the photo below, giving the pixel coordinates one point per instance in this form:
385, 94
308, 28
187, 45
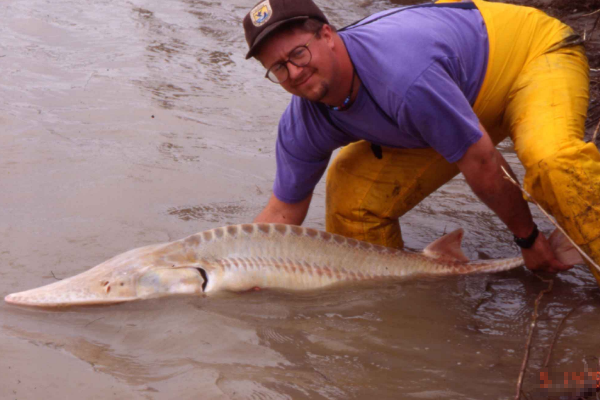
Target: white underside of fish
243, 257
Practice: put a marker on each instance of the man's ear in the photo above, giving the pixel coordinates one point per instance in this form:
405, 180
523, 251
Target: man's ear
328, 34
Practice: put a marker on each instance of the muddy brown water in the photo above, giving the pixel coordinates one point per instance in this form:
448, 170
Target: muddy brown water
131, 123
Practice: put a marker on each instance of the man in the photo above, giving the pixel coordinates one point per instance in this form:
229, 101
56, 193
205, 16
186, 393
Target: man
419, 94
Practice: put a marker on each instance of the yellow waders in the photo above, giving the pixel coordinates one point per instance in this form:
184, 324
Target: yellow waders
533, 92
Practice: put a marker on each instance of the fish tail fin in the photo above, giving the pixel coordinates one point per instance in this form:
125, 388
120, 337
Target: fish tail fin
564, 250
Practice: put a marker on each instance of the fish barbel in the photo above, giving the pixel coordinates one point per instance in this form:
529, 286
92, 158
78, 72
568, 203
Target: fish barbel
242, 257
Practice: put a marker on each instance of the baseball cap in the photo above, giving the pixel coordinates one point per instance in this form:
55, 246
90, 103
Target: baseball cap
268, 15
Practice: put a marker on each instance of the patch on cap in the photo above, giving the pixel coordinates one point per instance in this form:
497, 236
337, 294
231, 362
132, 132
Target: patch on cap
261, 13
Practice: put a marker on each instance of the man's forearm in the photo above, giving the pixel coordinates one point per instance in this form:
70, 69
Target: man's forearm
481, 167
503, 198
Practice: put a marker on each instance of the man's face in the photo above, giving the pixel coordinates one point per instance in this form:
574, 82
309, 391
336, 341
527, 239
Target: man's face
312, 81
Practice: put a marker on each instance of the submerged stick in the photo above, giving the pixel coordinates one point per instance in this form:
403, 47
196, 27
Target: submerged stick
596, 133
557, 331
531, 329
593, 28
592, 13
526, 395
583, 254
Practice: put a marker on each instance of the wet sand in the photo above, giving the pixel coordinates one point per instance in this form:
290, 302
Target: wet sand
127, 124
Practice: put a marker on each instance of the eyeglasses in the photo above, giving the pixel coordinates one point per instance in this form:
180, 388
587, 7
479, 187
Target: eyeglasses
300, 57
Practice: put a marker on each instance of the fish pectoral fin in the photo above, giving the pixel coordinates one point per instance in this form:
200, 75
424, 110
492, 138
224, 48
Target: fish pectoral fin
447, 247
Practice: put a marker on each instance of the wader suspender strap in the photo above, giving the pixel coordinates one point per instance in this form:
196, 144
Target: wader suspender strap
375, 148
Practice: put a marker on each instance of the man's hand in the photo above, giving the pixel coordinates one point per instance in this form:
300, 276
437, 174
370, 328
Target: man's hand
540, 257
481, 166
277, 211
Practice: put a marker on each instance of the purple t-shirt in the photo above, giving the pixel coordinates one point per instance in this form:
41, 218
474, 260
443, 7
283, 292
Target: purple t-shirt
423, 67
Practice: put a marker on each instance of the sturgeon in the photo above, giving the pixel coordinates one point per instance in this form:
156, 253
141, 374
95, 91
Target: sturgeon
247, 256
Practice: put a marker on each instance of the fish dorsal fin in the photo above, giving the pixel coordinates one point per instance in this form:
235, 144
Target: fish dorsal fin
563, 249
447, 247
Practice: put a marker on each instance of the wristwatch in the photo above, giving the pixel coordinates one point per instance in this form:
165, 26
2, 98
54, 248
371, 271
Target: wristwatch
526, 243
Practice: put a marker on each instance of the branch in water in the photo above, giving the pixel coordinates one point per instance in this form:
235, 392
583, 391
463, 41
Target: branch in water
531, 329
596, 133
557, 331
592, 13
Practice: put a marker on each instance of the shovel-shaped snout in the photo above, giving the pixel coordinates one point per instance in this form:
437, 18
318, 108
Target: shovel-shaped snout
138, 274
